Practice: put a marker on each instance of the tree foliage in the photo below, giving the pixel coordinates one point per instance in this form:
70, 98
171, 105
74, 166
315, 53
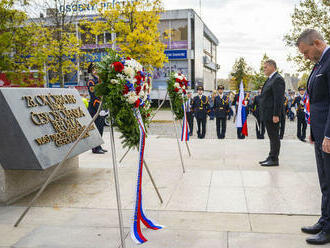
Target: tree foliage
259, 77
135, 24
308, 14
17, 44
241, 72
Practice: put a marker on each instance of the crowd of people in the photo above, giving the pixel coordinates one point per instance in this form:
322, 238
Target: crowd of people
222, 107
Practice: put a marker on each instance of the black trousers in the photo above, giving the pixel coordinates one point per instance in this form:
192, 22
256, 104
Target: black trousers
190, 119
301, 126
239, 133
201, 127
274, 137
260, 132
323, 169
221, 123
282, 127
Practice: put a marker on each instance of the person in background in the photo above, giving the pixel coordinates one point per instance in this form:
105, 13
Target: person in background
211, 103
93, 105
221, 109
200, 107
271, 110
260, 126
282, 119
300, 110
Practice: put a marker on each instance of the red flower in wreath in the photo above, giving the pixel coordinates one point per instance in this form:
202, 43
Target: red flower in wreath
126, 90
128, 58
138, 89
137, 103
119, 67
178, 80
176, 89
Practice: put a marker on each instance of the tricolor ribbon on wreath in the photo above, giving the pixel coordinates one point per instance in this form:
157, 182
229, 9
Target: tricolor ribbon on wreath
139, 216
185, 128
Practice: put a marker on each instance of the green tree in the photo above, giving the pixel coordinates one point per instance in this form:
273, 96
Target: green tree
135, 24
258, 78
241, 72
17, 43
308, 14
303, 81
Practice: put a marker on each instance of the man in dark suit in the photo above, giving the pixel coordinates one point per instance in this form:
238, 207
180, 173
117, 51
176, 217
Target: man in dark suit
200, 107
300, 109
312, 45
190, 115
260, 126
221, 108
271, 109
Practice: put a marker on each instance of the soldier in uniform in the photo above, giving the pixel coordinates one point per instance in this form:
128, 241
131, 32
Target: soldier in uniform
221, 109
260, 125
282, 119
93, 105
301, 120
200, 107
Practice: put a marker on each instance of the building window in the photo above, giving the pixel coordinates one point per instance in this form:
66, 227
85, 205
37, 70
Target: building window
207, 46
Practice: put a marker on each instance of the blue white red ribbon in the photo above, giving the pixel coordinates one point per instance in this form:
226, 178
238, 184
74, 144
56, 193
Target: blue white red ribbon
307, 108
139, 216
185, 128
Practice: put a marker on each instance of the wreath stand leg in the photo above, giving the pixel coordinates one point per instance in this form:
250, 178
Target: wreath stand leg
152, 181
187, 146
177, 137
115, 173
57, 167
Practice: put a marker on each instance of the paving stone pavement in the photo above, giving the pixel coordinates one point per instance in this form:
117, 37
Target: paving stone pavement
224, 200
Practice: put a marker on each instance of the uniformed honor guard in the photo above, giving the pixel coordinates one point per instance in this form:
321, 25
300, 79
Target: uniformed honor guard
283, 117
93, 105
260, 125
200, 107
221, 109
301, 120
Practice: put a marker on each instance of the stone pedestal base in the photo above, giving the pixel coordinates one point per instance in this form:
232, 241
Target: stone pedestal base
14, 184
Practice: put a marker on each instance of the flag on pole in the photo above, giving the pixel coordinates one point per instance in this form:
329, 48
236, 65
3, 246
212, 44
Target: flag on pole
241, 120
307, 108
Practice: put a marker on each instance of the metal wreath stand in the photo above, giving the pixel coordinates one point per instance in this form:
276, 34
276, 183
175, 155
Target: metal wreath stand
177, 139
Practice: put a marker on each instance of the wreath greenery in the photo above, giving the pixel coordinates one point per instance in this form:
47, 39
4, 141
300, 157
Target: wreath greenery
124, 87
177, 86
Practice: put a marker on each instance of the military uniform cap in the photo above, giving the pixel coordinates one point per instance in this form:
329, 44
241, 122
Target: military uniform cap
200, 87
301, 88
221, 87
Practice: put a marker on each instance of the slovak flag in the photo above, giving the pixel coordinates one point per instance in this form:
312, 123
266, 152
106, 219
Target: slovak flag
241, 120
307, 108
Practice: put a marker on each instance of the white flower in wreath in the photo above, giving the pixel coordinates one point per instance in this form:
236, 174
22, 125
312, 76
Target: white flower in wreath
129, 71
121, 76
132, 97
180, 90
183, 87
142, 94
177, 85
176, 75
180, 78
114, 81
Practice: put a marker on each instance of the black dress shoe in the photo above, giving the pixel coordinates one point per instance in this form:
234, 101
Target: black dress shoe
314, 229
98, 151
260, 162
321, 238
270, 162
303, 140
104, 150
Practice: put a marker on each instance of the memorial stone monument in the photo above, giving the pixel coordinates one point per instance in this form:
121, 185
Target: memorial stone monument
37, 128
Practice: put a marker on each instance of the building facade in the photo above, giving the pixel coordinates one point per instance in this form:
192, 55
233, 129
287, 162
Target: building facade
190, 47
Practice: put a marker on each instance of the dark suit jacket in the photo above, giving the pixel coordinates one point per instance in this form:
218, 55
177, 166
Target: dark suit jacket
221, 106
318, 88
200, 107
271, 98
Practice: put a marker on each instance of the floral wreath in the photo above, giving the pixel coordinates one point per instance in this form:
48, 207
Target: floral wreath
125, 86
177, 86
